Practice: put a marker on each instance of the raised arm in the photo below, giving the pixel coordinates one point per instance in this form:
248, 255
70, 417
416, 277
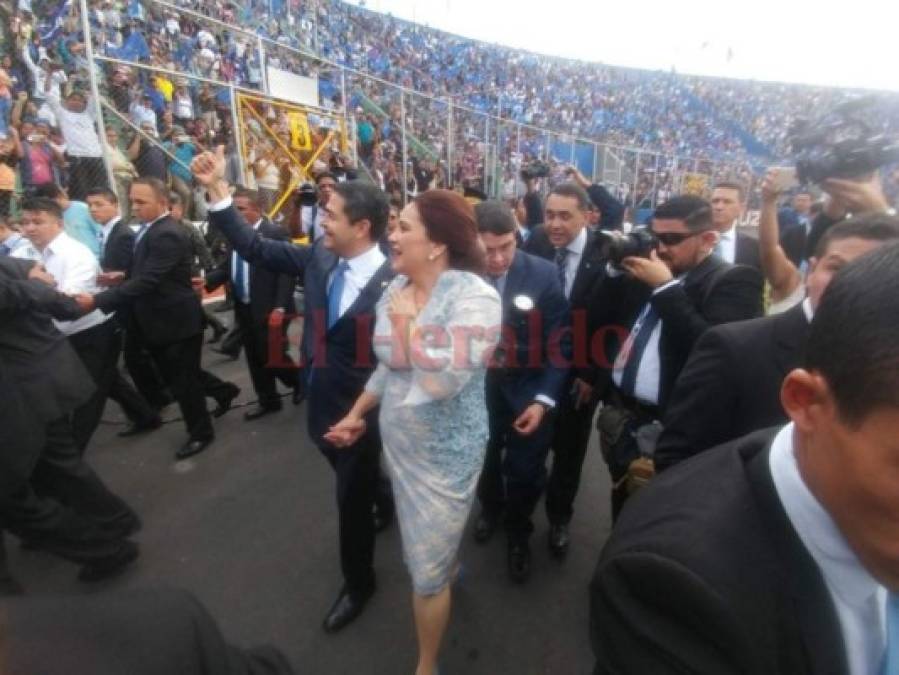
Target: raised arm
779, 271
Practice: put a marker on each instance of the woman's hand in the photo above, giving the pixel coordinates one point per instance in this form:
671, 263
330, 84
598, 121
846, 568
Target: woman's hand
346, 432
402, 303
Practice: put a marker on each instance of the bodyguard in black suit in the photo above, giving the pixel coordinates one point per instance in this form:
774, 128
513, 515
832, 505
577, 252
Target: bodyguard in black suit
776, 554
116, 254
257, 292
580, 260
665, 302
165, 311
48, 495
731, 383
737, 248
523, 386
336, 348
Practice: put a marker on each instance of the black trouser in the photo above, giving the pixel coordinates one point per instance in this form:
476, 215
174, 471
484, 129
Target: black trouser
132, 403
255, 338
143, 370
179, 364
65, 508
513, 484
357, 485
98, 348
86, 173
569, 445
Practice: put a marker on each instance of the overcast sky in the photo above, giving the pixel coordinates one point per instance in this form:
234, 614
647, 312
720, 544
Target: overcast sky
828, 42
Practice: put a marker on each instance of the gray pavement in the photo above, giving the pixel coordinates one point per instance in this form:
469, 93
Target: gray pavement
250, 527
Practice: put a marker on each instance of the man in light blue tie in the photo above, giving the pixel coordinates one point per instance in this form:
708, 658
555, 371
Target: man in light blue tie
777, 553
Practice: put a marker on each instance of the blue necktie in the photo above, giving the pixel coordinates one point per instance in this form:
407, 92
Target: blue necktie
335, 293
891, 658
4, 250
561, 260
642, 330
240, 279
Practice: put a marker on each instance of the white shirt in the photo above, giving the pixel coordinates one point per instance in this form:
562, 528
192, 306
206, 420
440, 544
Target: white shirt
649, 370
313, 217
361, 269
246, 269
860, 600
77, 128
75, 269
727, 245
575, 252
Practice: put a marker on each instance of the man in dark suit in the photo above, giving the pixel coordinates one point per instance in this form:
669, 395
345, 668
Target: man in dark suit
666, 301
523, 385
731, 383
257, 293
344, 272
139, 632
48, 495
728, 205
165, 310
776, 554
580, 261
116, 254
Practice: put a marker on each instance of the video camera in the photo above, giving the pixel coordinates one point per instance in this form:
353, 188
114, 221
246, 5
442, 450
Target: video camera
842, 143
536, 169
637, 244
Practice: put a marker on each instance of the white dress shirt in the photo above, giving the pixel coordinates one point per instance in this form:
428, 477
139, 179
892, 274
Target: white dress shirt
361, 269
75, 269
860, 600
573, 261
727, 245
649, 370
246, 269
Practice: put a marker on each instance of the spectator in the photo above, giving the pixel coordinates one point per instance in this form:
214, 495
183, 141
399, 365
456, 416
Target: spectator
76, 217
149, 159
85, 154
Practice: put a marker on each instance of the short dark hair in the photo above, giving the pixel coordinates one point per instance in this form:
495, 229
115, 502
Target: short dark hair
103, 192
852, 340
695, 212
365, 201
250, 195
325, 174
871, 226
158, 187
49, 191
572, 190
44, 204
494, 217
732, 185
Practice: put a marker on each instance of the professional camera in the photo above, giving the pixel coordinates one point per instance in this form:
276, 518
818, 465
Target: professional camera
842, 143
306, 194
637, 244
536, 169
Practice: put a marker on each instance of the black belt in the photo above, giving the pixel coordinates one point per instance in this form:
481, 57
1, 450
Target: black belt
638, 407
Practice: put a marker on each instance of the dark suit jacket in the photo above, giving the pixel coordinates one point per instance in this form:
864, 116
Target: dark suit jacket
747, 252
532, 366
712, 293
611, 211
705, 574
341, 358
164, 306
584, 292
793, 242
119, 250
731, 384
268, 290
41, 377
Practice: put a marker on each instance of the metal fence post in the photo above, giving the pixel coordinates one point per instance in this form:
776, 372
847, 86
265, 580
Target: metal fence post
263, 66
405, 149
95, 95
451, 173
235, 130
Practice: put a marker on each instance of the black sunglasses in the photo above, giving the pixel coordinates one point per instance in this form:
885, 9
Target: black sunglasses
674, 238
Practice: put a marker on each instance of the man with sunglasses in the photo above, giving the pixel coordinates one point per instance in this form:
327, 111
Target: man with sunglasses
664, 302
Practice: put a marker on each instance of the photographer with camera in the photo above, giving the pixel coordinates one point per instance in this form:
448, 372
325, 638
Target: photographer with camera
531, 202
667, 290
611, 211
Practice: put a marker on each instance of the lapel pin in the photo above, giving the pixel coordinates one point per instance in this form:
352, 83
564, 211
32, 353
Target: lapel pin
523, 303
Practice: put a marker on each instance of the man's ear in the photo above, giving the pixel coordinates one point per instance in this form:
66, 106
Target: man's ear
807, 399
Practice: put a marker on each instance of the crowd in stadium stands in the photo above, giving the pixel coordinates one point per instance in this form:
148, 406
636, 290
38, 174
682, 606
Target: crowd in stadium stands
743, 124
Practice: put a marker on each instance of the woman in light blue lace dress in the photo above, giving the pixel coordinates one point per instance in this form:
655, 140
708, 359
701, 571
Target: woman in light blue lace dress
436, 327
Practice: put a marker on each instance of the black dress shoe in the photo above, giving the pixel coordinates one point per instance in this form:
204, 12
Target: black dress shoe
346, 608
559, 540
216, 336
112, 565
192, 448
140, 428
260, 411
225, 402
519, 562
484, 528
122, 528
